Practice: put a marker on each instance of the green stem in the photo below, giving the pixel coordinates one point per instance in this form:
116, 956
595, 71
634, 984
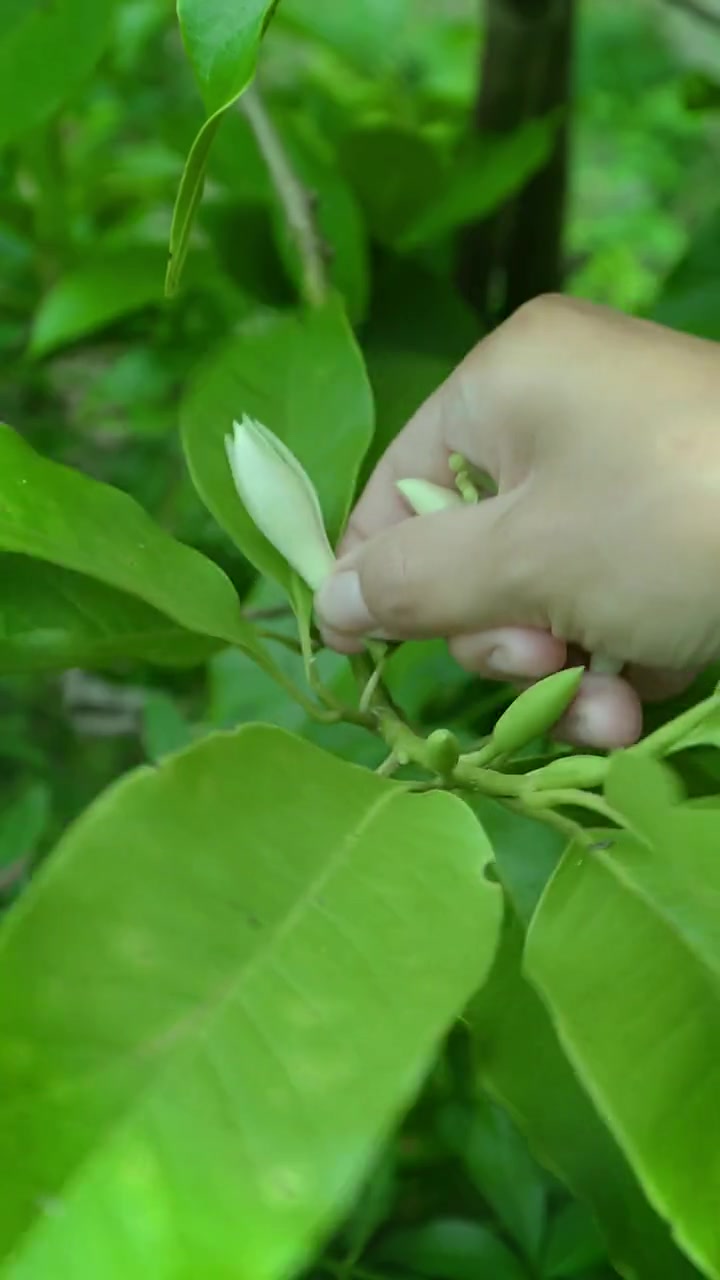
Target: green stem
295, 201
669, 734
572, 797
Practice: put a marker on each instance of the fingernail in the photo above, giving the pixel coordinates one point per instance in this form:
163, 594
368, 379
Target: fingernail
506, 660
340, 604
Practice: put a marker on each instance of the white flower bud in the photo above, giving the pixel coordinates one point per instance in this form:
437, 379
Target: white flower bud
280, 498
425, 497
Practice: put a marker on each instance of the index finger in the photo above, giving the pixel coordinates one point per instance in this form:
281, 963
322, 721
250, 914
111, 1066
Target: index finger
457, 418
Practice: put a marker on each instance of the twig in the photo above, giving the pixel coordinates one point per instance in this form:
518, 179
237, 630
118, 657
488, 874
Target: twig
296, 201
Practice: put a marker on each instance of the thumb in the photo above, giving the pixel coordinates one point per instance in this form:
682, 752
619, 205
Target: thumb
445, 574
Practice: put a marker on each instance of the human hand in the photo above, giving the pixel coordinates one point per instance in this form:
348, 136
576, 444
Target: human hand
602, 434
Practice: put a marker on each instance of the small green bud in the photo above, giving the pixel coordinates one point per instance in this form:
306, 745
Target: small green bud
425, 497
536, 710
443, 751
571, 771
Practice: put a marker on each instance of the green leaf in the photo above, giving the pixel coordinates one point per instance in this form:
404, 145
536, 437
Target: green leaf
222, 38
366, 34
56, 514
481, 179
625, 949
521, 1063
208, 1027
451, 1249
46, 52
499, 1165
573, 1243
301, 375
22, 822
187, 203
412, 173
418, 331
165, 729
52, 618
95, 295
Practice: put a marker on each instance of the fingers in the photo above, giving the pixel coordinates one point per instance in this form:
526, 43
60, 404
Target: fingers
452, 573
509, 653
606, 714
464, 415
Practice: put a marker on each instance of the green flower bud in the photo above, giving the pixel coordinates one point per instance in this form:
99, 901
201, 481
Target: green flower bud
425, 497
570, 771
280, 498
536, 710
442, 751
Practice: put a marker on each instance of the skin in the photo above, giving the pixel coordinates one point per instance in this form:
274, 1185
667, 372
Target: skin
602, 433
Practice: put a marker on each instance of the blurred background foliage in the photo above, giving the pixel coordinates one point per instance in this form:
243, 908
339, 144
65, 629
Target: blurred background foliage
378, 104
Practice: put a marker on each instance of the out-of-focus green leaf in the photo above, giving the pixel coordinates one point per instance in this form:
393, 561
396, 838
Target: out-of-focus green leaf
301, 375
46, 52
573, 1243
22, 821
208, 1028
394, 172
52, 618
625, 949
364, 33
481, 178
690, 296
165, 729
95, 295
57, 514
522, 1064
500, 1166
452, 1249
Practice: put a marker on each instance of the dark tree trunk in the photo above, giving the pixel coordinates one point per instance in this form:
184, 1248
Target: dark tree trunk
525, 73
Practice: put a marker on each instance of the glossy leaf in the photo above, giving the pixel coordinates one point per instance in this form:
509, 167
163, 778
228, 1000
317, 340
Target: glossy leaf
53, 513
302, 376
207, 1029
96, 294
625, 949
452, 1249
222, 38
46, 52
521, 1063
52, 619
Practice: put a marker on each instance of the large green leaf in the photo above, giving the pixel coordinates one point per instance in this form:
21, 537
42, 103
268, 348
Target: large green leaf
56, 514
222, 38
301, 375
625, 949
52, 618
225, 985
95, 295
521, 1063
46, 52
